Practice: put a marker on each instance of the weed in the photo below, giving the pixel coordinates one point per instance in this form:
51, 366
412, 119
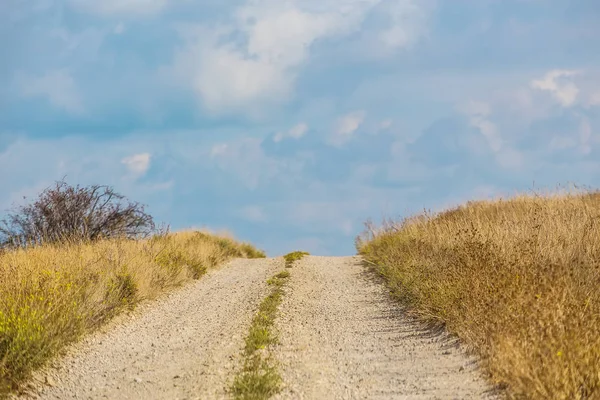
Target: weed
283, 275
294, 256
259, 378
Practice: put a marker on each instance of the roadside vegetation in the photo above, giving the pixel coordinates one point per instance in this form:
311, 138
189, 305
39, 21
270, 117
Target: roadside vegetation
518, 280
294, 256
259, 378
60, 280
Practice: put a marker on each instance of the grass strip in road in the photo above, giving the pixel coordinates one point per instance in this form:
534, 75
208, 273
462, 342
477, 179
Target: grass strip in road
259, 378
294, 256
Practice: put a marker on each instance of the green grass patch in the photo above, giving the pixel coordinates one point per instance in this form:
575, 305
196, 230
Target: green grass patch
259, 378
282, 275
294, 256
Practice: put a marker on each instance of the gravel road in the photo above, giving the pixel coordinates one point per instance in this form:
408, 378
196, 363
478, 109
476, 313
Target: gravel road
341, 337
183, 346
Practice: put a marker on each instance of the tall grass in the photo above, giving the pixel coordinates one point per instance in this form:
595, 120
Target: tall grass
518, 280
51, 295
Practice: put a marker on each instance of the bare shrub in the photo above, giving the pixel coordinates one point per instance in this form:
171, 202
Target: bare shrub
73, 213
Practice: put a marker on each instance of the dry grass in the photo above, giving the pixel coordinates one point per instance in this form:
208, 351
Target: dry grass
51, 295
518, 280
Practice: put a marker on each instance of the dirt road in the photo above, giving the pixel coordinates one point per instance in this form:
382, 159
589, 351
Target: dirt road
341, 337
184, 346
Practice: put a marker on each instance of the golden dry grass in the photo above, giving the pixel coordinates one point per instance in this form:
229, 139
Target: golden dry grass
518, 280
51, 295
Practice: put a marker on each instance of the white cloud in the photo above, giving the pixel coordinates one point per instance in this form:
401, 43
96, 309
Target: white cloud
226, 81
137, 164
479, 114
407, 21
559, 84
295, 133
350, 123
229, 76
298, 131
346, 126
489, 131
108, 7
272, 41
57, 86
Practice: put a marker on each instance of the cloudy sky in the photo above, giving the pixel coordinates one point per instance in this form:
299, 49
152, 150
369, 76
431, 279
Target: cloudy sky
290, 122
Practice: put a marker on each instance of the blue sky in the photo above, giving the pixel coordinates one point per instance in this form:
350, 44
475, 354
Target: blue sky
290, 122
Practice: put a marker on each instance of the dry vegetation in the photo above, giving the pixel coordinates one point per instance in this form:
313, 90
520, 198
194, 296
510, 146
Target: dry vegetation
518, 280
51, 295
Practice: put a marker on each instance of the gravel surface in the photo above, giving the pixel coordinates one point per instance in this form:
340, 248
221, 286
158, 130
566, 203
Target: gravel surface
183, 346
342, 337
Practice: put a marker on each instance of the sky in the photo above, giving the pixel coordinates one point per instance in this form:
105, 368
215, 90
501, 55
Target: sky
291, 122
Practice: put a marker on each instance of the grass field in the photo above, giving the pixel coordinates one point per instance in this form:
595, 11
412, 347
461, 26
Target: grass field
51, 295
517, 280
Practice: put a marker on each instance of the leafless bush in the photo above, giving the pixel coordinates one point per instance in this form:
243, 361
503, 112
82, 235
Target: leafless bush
73, 213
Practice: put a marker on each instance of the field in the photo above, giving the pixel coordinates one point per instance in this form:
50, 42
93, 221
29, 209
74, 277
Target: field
518, 280
51, 295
